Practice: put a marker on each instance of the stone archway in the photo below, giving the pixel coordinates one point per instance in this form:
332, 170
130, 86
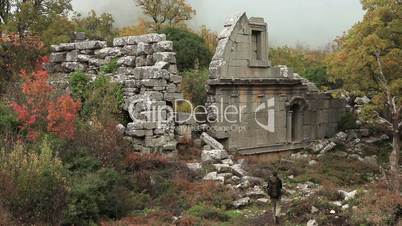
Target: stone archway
295, 119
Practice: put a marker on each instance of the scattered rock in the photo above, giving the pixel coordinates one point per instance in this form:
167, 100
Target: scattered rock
319, 145
263, 200
312, 222
312, 163
222, 168
238, 171
241, 202
211, 141
195, 167
328, 148
332, 212
336, 203
341, 136
213, 155
120, 128
228, 161
362, 100
300, 156
256, 192
214, 176
348, 195
314, 209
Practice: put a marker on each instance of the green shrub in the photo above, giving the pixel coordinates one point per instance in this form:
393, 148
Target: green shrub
110, 67
101, 98
79, 83
8, 124
348, 121
190, 48
97, 195
33, 185
208, 212
193, 86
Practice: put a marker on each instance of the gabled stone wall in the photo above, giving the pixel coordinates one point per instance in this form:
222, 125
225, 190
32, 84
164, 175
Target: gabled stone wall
257, 108
146, 69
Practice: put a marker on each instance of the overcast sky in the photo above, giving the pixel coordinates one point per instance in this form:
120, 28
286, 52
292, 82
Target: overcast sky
313, 23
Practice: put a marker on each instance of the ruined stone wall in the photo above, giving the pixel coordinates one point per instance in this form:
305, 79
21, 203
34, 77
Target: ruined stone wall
146, 69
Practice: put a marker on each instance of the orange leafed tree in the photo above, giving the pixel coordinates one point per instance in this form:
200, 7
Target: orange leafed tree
61, 116
37, 111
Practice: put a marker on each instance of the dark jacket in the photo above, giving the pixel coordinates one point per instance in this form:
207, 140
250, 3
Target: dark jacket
274, 188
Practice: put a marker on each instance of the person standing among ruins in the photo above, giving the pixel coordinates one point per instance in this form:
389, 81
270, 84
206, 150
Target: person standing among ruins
274, 190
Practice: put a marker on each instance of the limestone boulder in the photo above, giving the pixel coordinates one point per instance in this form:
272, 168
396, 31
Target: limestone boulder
222, 168
214, 177
195, 167
312, 222
213, 155
328, 148
362, 100
241, 202
211, 141
238, 170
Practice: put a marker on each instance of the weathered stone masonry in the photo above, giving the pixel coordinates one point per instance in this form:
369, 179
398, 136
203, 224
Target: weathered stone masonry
147, 69
278, 109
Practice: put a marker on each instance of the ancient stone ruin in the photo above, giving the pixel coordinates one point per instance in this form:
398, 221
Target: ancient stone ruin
257, 108
252, 107
146, 69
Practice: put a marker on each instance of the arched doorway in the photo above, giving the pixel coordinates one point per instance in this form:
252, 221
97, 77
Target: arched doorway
295, 119
297, 123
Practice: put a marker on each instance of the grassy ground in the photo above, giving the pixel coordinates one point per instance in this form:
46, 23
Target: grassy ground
206, 203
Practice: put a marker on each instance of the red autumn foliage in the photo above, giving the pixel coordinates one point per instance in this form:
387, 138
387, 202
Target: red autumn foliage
62, 115
37, 111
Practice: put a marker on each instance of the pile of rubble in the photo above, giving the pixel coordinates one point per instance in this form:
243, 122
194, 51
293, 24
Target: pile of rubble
148, 72
229, 172
354, 142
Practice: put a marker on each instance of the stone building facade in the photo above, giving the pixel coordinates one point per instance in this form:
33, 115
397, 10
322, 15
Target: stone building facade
148, 73
257, 108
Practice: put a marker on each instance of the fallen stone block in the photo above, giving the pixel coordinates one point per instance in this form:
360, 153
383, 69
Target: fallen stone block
211, 141
222, 168
241, 202
195, 167
238, 170
213, 155
214, 177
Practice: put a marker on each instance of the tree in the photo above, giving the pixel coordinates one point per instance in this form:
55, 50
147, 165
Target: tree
34, 16
193, 86
191, 50
5, 11
18, 53
142, 27
358, 64
96, 27
172, 12
38, 112
310, 64
210, 38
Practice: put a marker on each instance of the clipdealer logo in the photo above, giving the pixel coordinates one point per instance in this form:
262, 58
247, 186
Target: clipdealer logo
146, 110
